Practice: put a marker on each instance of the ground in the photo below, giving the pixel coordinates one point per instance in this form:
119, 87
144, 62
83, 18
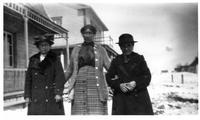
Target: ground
169, 97
174, 97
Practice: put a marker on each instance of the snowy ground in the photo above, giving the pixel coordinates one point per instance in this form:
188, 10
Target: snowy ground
174, 98
168, 98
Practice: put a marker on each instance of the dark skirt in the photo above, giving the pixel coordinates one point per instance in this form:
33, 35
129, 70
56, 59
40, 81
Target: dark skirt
86, 96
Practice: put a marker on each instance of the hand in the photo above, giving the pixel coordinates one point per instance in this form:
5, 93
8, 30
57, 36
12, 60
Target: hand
123, 87
110, 92
131, 85
70, 95
27, 101
58, 98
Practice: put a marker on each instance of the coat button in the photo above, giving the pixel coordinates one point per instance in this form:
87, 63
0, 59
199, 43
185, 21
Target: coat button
35, 100
136, 95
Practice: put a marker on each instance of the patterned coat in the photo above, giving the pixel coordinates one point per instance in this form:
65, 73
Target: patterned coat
136, 102
101, 60
43, 81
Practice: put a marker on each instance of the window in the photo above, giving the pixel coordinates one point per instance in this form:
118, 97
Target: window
58, 21
8, 50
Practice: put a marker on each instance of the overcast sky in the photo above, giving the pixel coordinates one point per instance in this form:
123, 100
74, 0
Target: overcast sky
167, 33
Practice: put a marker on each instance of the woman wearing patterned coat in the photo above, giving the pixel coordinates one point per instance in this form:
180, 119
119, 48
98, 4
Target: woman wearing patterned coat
86, 78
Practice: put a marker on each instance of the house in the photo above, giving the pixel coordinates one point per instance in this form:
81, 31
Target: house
21, 23
192, 67
74, 17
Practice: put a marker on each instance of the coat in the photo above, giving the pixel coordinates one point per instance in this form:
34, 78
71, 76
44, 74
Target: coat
137, 101
43, 81
101, 60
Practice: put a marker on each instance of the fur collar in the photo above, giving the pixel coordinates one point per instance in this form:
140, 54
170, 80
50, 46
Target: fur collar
50, 58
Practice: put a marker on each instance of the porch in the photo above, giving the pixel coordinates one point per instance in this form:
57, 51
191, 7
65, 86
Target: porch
14, 79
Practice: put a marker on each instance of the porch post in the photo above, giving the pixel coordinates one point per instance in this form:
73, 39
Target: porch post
62, 59
67, 49
26, 39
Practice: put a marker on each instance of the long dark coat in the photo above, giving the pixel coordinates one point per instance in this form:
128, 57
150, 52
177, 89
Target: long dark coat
43, 81
136, 102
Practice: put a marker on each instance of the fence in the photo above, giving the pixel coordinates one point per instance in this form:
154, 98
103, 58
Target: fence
184, 78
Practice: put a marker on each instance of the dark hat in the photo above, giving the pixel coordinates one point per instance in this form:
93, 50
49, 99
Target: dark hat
90, 27
44, 38
126, 38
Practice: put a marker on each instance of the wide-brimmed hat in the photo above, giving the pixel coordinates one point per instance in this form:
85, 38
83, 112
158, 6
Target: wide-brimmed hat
90, 27
126, 38
44, 38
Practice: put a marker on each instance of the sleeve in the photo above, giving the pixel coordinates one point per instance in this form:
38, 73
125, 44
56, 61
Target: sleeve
106, 59
59, 78
112, 78
143, 80
28, 83
70, 68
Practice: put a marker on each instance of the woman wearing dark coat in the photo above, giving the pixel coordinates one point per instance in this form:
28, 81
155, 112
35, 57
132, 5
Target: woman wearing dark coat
44, 81
129, 77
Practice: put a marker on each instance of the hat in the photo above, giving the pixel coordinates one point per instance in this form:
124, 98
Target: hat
126, 38
90, 27
44, 38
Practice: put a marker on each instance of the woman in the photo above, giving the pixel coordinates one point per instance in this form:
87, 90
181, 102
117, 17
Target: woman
44, 80
129, 76
87, 78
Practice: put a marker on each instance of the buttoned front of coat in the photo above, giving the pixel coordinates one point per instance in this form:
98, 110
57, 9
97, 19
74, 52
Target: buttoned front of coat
44, 80
137, 101
101, 61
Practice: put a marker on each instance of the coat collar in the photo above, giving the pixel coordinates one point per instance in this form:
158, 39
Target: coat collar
48, 61
133, 57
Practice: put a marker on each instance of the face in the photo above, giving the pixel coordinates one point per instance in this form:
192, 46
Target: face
88, 35
44, 47
127, 48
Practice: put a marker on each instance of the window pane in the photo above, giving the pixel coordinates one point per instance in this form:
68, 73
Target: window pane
10, 50
10, 39
11, 60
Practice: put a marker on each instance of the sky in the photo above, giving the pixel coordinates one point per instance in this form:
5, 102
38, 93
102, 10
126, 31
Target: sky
167, 33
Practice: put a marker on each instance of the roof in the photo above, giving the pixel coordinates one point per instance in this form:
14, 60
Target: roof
104, 28
36, 13
91, 12
195, 62
37, 7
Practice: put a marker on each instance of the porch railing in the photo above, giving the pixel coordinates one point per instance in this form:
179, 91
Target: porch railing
105, 40
14, 79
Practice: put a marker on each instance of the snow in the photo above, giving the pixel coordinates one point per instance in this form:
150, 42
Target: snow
168, 98
174, 98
